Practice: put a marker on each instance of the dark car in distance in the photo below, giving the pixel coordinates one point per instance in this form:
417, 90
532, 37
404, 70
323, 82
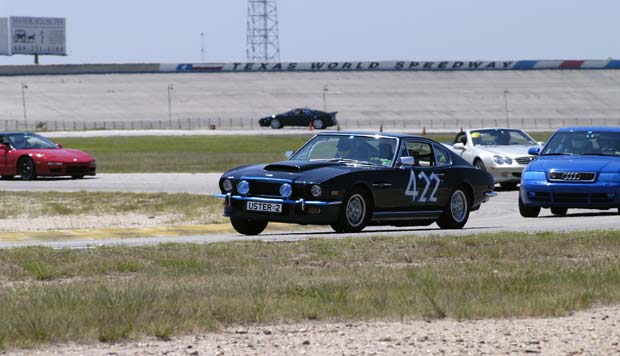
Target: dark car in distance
351, 180
300, 117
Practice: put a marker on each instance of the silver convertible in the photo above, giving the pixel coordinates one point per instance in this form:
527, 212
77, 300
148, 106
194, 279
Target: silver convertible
500, 151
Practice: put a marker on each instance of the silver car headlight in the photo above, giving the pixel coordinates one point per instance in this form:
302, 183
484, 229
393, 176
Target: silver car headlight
502, 160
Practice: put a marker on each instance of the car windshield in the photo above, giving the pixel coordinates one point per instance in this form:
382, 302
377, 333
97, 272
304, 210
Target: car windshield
22, 141
499, 137
356, 149
599, 143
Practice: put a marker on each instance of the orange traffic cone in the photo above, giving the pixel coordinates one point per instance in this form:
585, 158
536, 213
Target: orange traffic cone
310, 126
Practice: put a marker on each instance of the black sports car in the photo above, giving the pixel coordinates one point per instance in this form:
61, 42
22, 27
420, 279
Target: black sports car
300, 117
351, 180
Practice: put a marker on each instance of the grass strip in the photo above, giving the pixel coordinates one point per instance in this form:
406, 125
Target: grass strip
113, 293
180, 208
195, 154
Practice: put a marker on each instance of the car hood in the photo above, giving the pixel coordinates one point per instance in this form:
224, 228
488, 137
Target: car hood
61, 155
511, 151
576, 164
302, 171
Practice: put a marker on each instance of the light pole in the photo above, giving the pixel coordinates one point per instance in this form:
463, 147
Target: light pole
170, 88
324, 97
506, 106
202, 46
24, 87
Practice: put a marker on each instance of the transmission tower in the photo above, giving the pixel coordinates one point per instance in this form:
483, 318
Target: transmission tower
263, 43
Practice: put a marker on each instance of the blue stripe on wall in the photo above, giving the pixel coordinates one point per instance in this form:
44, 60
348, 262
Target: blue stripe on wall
613, 65
525, 64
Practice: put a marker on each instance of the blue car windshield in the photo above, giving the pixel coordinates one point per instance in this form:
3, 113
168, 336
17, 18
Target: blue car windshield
371, 150
23, 141
599, 143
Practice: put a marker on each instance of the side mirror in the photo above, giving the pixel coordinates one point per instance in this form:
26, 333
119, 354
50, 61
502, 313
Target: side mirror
4, 147
407, 161
59, 145
459, 146
534, 151
289, 154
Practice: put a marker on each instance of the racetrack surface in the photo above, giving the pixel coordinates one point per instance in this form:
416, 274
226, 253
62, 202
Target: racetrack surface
499, 214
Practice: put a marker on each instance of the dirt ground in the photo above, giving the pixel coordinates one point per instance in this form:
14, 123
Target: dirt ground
593, 332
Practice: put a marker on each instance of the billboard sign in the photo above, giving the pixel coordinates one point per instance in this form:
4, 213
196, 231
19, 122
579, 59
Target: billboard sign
37, 35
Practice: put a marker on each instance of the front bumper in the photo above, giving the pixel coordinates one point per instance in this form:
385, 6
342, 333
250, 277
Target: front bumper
298, 211
598, 195
67, 169
506, 173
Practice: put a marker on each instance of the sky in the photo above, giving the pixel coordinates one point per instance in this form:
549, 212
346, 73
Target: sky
150, 31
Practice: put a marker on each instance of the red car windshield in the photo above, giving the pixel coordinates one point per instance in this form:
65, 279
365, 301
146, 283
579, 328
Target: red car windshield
23, 141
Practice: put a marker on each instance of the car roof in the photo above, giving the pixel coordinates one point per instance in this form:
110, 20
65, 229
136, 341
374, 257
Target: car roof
373, 133
589, 128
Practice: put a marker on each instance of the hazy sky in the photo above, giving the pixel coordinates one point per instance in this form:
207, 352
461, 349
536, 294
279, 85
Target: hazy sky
311, 30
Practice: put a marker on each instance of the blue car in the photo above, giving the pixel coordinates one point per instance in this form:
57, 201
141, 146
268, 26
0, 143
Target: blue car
579, 167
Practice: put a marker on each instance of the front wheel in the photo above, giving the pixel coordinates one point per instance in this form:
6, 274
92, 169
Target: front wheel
355, 213
457, 213
275, 124
317, 124
248, 226
479, 164
26, 168
528, 211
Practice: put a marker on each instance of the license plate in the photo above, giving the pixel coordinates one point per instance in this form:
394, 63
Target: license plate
264, 207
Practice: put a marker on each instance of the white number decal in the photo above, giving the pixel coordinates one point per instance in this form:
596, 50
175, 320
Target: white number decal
412, 187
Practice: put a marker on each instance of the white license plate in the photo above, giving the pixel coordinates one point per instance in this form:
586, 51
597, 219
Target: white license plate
264, 207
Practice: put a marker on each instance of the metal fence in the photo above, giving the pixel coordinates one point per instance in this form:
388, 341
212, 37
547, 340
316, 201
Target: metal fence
344, 124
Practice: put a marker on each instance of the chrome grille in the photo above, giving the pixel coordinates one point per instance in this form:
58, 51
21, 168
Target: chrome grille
524, 160
572, 176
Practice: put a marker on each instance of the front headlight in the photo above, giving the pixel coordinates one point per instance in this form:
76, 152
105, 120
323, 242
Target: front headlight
243, 187
227, 185
316, 191
286, 190
502, 160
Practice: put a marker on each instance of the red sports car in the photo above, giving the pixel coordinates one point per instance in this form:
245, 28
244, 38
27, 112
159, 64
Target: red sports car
29, 155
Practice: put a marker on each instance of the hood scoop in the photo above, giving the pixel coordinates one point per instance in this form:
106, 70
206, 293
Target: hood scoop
296, 166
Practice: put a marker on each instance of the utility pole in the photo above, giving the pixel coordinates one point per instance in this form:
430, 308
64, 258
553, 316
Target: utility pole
170, 88
24, 87
325, 97
506, 106
202, 47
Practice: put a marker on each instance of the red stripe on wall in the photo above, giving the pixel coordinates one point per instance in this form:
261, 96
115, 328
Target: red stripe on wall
571, 64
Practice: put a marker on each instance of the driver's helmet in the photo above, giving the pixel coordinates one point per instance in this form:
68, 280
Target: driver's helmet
579, 142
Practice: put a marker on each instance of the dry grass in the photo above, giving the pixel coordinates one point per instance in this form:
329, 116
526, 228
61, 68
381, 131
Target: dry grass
119, 292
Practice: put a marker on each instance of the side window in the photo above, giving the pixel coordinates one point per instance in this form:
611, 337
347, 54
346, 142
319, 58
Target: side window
442, 157
460, 137
421, 152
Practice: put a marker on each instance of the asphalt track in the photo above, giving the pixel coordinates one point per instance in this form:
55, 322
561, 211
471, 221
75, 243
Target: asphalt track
499, 214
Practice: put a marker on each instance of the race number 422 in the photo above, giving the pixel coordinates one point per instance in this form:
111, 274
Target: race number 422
430, 187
